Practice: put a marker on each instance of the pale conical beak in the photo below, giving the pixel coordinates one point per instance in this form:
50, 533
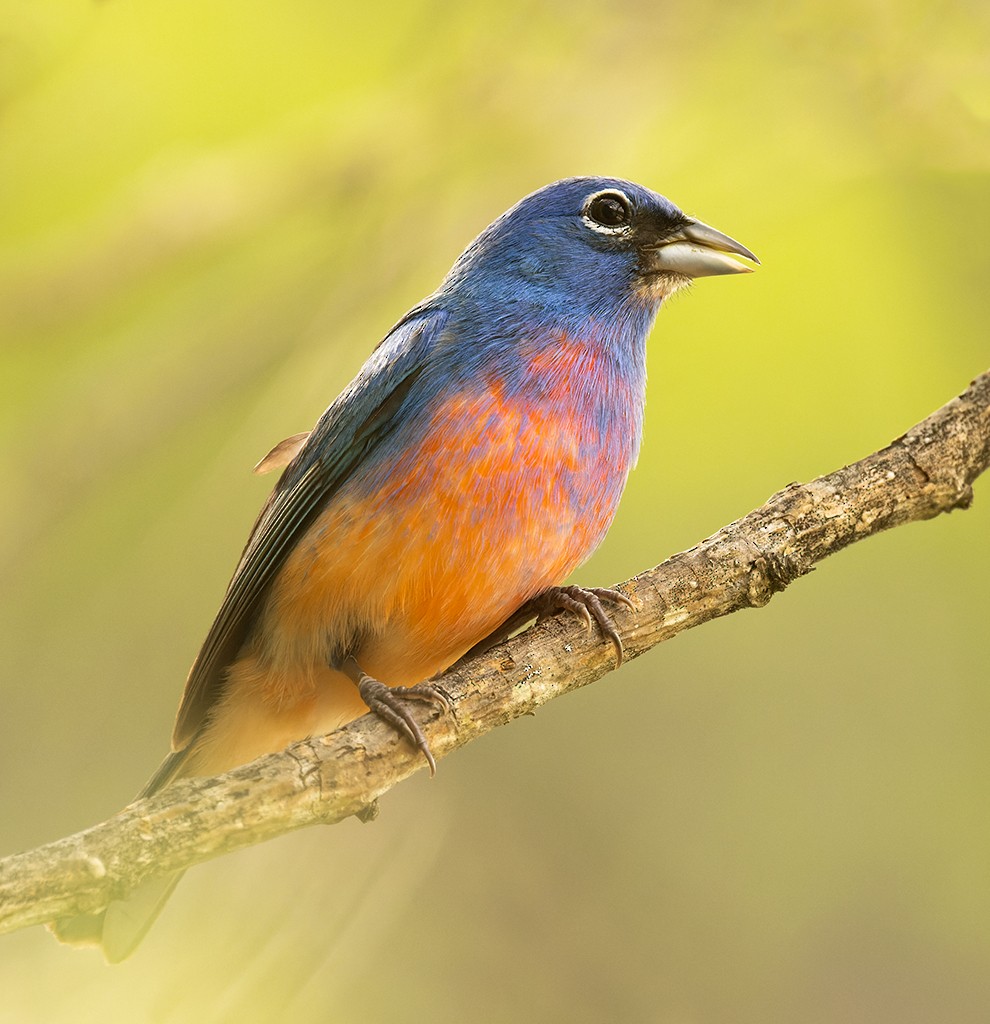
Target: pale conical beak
700, 251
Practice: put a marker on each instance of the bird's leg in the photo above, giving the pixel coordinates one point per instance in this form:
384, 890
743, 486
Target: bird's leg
389, 703
586, 603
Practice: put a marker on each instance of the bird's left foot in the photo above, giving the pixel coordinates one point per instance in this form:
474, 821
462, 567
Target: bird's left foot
390, 703
586, 603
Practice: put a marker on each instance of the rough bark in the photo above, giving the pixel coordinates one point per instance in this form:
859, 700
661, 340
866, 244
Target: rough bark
927, 471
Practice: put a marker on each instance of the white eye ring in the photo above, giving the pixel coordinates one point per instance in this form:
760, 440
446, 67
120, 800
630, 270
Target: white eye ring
600, 206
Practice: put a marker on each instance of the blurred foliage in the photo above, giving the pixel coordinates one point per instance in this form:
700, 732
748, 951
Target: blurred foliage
209, 213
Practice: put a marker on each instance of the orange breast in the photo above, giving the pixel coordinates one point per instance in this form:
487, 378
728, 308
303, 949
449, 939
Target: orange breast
422, 556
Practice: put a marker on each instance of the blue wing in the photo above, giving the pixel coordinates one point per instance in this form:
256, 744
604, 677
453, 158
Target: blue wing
359, 421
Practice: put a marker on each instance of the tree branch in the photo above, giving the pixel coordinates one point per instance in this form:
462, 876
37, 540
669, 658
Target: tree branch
928, 471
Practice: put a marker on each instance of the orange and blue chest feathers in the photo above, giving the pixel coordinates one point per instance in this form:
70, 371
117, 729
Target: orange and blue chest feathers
534, 466
500, 488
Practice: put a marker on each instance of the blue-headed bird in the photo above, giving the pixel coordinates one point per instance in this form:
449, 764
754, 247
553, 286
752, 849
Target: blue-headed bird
475, 461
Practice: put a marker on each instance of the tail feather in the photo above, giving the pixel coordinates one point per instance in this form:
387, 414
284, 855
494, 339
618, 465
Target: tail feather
166, 772
123, 924
120, 926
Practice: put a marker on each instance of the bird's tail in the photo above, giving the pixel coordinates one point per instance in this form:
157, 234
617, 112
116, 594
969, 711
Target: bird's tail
120, 926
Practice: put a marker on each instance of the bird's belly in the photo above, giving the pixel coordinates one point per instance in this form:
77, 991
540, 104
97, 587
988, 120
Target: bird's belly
429, 547
421, 557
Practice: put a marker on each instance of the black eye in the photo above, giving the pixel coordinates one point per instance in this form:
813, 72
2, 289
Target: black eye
610, 209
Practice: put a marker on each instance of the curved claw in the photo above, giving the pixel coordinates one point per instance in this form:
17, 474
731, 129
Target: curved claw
427, 693
586, 602
389, 703
564, 601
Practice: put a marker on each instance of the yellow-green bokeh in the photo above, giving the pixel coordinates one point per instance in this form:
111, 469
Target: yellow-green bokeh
210, 211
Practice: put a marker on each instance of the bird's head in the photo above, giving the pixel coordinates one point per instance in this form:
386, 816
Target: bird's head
592, 247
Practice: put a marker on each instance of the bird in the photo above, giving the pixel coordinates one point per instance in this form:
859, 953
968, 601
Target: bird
475, 461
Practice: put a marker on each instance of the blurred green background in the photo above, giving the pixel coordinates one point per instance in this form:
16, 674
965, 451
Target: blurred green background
210, 212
